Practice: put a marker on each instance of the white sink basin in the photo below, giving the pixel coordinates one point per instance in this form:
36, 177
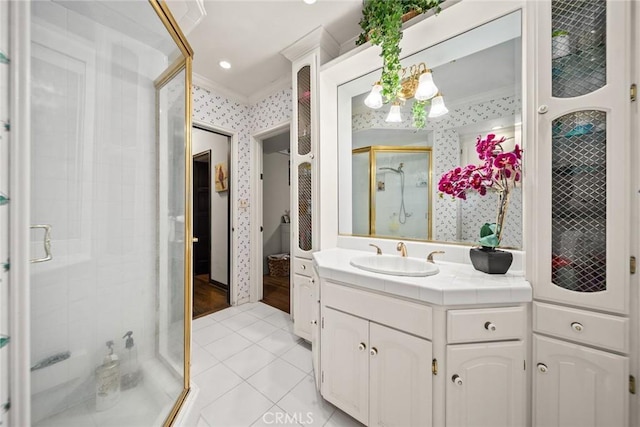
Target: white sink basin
395, 265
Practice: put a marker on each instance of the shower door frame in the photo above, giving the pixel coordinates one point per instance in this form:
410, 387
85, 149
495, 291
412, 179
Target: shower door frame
372, 150
20, 184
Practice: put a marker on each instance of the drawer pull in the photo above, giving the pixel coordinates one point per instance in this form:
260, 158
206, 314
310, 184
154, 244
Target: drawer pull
373, 351
362, 346
490, 326
456, 379
542, 368
576, 326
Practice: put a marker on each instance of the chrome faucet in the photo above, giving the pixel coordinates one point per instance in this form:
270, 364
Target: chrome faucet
378, 250
430, 256
402, 248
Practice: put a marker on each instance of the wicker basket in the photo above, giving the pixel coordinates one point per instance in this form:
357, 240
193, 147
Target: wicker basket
278, 267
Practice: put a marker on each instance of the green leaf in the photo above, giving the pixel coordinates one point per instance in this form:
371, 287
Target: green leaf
489, 241
3, 199
4, 340
3, 58
487, 229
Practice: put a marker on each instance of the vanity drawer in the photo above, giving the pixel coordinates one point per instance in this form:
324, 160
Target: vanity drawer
601, 330
397, 313
303, 266
485, 324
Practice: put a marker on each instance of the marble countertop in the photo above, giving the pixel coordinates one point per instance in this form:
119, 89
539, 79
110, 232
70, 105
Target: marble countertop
455, 284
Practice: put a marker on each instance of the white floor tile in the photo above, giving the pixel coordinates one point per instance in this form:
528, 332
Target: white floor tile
210, 333
276, 379
288, 327
214, 382
249, 361
300, 356
304, 399
247, 306
275, 416
263, 310
240, 407
226, 347
340, 419
201, 423
201, 322
225, 314
279, 319
238, 321
279, 342
201, 359
257, 331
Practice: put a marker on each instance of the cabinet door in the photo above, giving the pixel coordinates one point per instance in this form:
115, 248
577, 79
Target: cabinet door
581, 208
315, 327
302, 306
400, 379
345, 363
486, 384
578, 386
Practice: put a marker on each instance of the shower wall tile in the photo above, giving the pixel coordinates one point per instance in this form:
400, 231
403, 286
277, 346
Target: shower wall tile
244, 120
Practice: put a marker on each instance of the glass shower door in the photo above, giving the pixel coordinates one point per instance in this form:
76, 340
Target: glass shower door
108, 208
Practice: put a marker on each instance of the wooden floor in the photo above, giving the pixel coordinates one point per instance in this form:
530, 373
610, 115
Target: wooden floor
276, 292
207, 298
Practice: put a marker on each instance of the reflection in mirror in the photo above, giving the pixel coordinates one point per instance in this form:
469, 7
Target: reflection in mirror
478, 74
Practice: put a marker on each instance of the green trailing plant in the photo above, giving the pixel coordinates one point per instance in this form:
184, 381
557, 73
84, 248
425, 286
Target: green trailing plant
419, 112
381, 24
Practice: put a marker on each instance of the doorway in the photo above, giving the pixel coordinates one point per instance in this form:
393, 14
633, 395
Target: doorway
211, 221
276, 206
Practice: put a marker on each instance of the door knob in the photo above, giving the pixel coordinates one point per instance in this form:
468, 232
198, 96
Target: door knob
456, 379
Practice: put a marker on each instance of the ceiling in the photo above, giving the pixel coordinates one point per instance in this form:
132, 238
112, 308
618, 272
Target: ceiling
251, 35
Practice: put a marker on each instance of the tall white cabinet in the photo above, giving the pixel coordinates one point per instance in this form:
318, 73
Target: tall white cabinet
306, 56
581, 215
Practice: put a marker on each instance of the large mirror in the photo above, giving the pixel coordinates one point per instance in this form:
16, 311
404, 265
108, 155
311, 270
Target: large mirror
389, 167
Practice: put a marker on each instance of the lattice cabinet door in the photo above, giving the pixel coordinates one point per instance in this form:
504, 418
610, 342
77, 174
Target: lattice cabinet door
581, 208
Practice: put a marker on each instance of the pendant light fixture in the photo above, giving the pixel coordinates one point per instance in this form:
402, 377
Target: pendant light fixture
426, 87
374, 99
394, 114
438, 108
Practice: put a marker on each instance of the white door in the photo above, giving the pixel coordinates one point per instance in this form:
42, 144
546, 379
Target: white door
302, 306
578, 386
486, 384
400, 379
345, 363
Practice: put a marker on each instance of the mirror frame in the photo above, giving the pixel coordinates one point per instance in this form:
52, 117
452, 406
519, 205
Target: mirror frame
454, 19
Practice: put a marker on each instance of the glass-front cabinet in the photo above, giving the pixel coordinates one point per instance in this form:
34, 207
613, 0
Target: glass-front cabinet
581, 213
582, 126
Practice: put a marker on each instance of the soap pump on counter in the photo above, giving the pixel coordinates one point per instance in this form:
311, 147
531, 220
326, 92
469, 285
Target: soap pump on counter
108, 380
131, 373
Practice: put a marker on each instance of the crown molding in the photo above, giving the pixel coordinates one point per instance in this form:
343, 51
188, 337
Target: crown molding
205, 83
276, 86
317, 38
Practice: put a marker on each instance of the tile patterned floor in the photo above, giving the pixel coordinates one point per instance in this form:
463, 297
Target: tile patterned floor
252, 371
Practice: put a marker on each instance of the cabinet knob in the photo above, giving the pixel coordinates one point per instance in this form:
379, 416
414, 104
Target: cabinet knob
543, 109
373, 351
312, 280
490, 326
576, 326
314, 322
302, 266
311, 156
456, 379
542, 368
362, 346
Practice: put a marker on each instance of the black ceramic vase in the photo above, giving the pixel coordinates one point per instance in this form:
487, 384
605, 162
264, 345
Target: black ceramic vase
490, 260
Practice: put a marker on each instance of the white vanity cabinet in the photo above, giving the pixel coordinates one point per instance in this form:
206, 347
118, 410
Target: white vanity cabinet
378, 360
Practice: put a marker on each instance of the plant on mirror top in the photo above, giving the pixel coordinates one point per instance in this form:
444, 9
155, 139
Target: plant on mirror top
500, 172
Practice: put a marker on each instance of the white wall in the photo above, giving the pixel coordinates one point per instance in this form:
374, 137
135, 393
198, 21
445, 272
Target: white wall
202, 141
275, 185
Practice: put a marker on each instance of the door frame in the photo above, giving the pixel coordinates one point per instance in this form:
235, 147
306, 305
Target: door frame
256, 202
233, 199
193, 158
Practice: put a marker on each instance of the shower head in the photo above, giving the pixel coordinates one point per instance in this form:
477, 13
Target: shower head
399, 170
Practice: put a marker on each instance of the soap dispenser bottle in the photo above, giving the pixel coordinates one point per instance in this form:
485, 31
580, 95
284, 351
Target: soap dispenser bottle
108, 380
131, 373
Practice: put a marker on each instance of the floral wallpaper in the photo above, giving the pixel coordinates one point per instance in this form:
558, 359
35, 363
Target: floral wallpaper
245, 120
471, 214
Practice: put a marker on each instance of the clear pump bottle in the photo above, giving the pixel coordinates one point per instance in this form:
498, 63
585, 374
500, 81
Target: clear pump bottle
131, 373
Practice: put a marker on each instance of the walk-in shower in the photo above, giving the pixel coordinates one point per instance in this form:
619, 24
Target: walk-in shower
108, 284
402, 211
